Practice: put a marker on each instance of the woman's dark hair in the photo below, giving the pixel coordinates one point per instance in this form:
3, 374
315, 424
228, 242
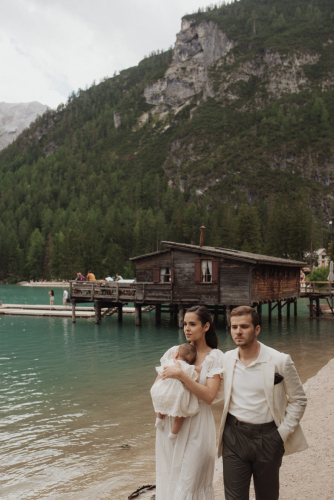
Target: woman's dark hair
205, 317
52, 293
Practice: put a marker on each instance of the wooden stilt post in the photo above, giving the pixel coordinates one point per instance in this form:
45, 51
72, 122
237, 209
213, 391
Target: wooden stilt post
228, 317
269, 311
158, 314
216, 313
137, 315
311, 307
288, 302
259, 311
279, 307
181, 315
171, 311
120, 312
224, 315
73, 312
317, 301
295, 307
97, 308
175, 313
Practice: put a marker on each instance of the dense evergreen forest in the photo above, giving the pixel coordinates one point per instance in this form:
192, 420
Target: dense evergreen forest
79, 193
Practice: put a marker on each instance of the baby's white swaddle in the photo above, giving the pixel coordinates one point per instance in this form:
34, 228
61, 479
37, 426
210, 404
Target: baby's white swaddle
171, 397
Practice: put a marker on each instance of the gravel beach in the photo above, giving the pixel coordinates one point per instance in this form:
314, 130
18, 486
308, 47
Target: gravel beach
308, 475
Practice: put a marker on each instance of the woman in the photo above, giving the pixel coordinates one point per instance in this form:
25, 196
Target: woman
185, 469
52, 297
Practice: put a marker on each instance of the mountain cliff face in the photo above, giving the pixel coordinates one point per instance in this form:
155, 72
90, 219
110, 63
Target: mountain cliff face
14, 118
244, 77
197, 47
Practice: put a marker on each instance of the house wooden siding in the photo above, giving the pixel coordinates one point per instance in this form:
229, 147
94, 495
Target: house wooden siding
146, 265
274, 283
235, 282
238, 282
185, 286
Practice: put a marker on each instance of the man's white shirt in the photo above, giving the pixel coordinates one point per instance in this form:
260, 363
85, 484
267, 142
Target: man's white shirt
248, 401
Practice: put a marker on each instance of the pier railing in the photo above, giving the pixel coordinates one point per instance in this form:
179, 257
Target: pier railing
317, 287
114, 291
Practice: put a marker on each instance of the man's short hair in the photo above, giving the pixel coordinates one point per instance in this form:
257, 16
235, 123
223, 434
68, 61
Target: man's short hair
245, 310
188, 353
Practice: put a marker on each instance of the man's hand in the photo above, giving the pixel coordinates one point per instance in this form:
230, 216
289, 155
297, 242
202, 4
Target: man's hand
172, 371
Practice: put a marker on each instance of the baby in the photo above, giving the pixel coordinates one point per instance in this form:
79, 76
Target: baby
170, 396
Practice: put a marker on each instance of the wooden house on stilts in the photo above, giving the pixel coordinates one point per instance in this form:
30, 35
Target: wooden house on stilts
182, 275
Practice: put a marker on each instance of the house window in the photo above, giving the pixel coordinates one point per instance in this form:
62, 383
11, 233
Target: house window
206, 268
206, 271
165, 274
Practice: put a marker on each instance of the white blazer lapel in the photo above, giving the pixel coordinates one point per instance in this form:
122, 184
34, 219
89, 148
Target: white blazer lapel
228, 378
268, 372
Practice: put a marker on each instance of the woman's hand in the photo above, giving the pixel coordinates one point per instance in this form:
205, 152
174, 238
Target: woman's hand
172, 371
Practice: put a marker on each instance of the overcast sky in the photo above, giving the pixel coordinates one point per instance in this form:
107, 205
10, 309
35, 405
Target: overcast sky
50, 47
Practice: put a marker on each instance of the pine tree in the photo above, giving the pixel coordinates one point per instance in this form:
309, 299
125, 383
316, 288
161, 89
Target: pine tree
47, 258
35, 256
248, 230
57, 254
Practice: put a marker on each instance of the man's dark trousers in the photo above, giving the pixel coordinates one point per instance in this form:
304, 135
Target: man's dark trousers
251, 449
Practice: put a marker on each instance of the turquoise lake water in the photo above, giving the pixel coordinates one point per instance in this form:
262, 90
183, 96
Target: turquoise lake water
73, 395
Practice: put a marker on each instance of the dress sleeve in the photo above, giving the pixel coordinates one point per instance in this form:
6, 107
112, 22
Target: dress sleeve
190, 370
168, 355
159, 370
215, 363
215, 366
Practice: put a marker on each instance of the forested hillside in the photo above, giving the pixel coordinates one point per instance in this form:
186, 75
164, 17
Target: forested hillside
127, 163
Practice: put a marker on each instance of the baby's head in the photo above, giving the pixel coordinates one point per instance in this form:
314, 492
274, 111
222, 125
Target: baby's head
187, 353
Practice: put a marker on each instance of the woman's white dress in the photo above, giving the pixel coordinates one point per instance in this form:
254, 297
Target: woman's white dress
184, 471
171, 396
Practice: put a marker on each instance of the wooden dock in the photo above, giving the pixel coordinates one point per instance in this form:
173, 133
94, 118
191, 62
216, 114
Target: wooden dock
58, 311
316, 291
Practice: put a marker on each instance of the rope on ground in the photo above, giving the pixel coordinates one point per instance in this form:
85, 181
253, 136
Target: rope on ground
141, 490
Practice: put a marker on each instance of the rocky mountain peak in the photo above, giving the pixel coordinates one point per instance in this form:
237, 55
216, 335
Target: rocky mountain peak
15, 117
197, 47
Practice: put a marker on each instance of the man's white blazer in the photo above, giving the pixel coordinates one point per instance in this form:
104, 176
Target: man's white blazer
287, 400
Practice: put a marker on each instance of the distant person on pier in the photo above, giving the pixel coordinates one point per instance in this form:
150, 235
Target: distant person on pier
107, 278
118, 277
52, 297
80, 277
65, 297
90, 276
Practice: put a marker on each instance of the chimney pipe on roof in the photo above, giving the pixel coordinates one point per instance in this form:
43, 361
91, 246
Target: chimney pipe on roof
202, 236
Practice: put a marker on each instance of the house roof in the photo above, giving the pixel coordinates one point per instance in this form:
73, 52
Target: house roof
148, 255
227, 253
235, 254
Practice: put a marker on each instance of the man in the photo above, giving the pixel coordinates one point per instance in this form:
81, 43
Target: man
118, 277
65, 297
90, 276
264, 402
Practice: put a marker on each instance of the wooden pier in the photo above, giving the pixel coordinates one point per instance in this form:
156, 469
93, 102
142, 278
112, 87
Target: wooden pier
316, 291
57, 311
